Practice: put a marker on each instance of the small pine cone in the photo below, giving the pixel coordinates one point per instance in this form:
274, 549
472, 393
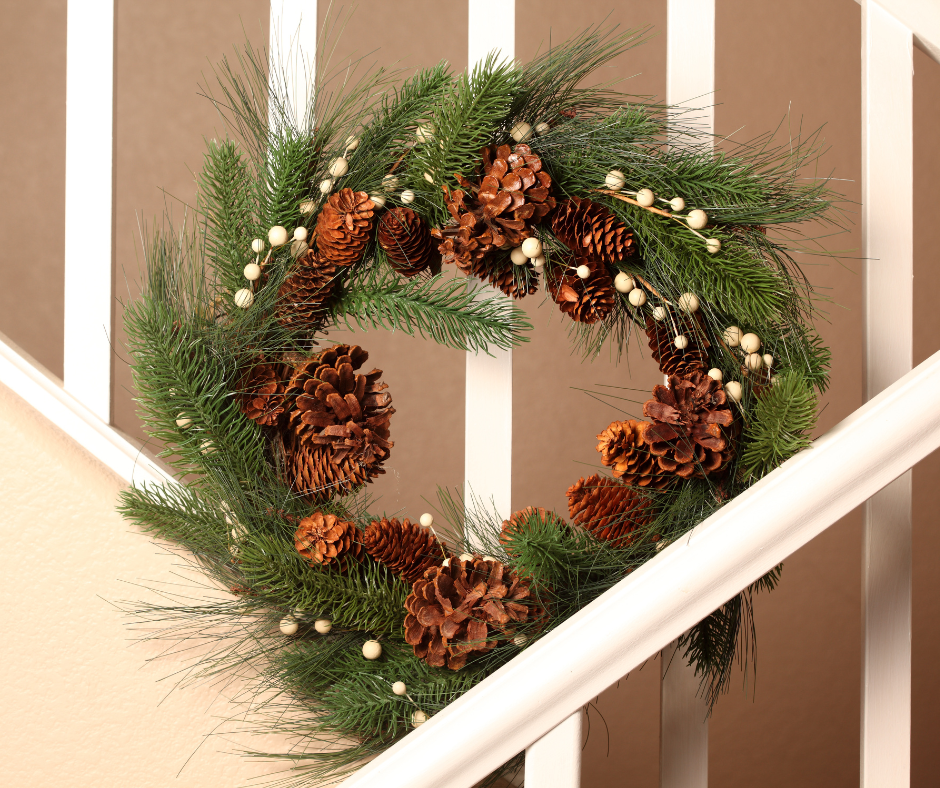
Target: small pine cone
585, 300
406, 548
304, 296
344, 227
623, 448
464, 608
324, 540
672, 360
261, 393
609, 510
689, 435
590, 230
406, 239
524, 521
338, 426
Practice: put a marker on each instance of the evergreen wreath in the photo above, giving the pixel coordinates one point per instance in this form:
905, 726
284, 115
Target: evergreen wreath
352, 626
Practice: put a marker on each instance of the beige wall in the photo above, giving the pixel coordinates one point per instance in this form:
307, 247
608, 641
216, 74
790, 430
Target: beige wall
802, 727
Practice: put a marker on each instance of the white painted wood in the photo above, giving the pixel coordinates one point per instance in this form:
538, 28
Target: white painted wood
888, 244
690, 61
22, 375
683, 738
89, 126
483, 36
616, 633
922, 17
292, 51
554, 761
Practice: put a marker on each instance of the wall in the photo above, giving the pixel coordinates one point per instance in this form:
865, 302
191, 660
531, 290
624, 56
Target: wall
797, 57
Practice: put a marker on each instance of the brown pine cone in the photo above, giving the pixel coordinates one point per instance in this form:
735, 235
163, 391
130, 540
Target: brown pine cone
672, 360
324, 539
464, 608
522, 521
689, 434
337, 433
261, 393
623, 449
585, 300
344, 227
304, 296
406, 239
590, 230
405, 548
609, 510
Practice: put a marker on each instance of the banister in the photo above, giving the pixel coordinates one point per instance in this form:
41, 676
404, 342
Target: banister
922, 17
616, 633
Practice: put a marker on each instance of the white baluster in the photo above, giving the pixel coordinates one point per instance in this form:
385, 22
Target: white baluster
89, 242
887, 203
292, 50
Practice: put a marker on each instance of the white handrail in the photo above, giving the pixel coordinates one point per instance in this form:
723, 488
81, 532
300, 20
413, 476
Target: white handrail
525, 699
922, 17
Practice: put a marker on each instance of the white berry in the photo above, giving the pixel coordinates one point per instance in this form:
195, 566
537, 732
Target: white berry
297, 248
339, 167
659, 313
244, 298
418, 718
615, 180
466, 557
768, 360
531, 247
645, 197
289, 626
206, 447
378, 200
732, 336
712, 245
697, 219
323, 625
753, 361
372, 649
300, 233
583, 271
252, 272
307, 207
677, 204
520, 640
427, 519
326, 186
424, 132
352, 143
399, 688
715, 374
390, 182
539, 262
734, 391
624, 282
542, 128
407, 196
429, 177
521, 131
257, 246
637, 297
689, 302
518, 257
182, 422
681, 341
277, 235
750, 343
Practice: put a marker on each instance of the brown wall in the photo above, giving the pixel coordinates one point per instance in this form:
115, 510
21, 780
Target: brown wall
796, 56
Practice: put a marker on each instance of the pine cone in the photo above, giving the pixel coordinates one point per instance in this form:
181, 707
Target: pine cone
686, 434
406, 239
303, 298
609, 510
405, 548
524, 521
585, 300
464, 608
324, 539
590, 230
624, 449
261, 393
337, 433
672, 360
344, 227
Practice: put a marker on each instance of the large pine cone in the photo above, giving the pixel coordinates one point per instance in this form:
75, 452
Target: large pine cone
524, 521
337, 434
406, 239
672, 360
406, 548
344, 227
690, 418
304, 296
261, 393
623, 448
464, 608
585, 300
609, 510
590, 230
325, 539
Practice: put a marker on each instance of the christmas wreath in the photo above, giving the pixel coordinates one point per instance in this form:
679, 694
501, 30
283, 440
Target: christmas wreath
372, 212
